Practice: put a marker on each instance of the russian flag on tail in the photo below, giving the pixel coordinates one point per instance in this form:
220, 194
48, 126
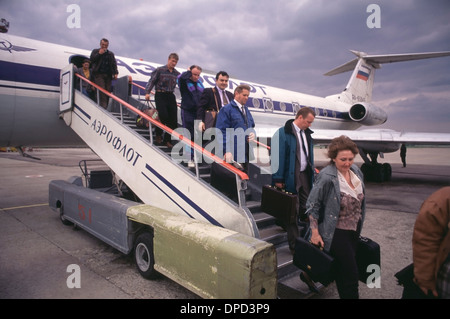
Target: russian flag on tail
363, 74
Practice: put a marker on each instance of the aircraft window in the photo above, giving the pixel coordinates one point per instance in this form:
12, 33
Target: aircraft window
295, 107
325, 112
318, 111
268, 104
4, 26
283, 106
256, 103
334, 114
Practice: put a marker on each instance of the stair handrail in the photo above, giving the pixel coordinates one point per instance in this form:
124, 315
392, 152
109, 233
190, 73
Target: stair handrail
228, 166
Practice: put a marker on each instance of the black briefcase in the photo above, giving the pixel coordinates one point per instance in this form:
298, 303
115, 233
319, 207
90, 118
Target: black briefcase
314, 261
411, 290
279, 204
367, 253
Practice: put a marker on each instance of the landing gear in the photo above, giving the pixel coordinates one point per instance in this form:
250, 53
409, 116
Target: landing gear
377, 172
374, 171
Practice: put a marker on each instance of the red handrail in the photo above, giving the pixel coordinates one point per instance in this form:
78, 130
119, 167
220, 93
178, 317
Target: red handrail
216, 159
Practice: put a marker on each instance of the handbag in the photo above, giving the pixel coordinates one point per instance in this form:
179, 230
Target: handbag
280, 204
314, 261
210, 119
150, 111
367, 253
210, 115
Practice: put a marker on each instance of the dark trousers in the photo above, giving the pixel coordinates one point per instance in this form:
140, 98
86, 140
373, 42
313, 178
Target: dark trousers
103, 80
343, 249
188, 119
166, 105
303, 191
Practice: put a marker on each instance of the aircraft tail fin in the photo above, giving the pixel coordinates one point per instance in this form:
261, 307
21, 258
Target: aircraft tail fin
360, 85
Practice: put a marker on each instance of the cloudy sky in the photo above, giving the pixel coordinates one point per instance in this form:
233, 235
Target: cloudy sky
284, 43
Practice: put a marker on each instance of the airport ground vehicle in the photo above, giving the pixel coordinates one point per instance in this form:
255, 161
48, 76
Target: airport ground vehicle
166, 213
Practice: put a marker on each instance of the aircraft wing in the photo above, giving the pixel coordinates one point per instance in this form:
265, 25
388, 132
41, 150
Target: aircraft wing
373, 140
384, 135
383, 140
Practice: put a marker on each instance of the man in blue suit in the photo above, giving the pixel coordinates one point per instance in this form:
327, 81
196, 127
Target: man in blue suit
236, 125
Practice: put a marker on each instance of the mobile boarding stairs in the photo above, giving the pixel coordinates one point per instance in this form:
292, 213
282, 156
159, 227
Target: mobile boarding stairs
167, 191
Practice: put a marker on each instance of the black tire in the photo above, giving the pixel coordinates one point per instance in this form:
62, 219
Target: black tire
387, 172
143, 255
378, 173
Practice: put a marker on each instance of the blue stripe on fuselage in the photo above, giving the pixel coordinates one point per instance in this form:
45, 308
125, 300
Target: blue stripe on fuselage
31, 74
26, 73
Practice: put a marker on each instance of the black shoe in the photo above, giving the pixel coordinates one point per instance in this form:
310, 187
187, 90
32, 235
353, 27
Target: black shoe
305, 278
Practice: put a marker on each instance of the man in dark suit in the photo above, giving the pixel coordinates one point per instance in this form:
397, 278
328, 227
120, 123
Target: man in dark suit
213, 99
104, 69
292, 161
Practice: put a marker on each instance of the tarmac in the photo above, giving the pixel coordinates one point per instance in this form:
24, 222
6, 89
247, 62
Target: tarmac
37, 249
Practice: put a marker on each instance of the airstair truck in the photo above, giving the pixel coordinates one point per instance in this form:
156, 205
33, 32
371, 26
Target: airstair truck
178, 225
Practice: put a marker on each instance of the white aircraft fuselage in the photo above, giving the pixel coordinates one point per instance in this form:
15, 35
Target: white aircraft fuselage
30, 90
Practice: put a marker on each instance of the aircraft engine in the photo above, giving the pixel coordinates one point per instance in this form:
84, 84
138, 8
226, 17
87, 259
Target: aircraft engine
367, 114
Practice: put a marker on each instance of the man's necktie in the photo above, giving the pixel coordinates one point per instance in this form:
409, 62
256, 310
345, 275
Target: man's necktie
224, 98
304, 147
303, 143
245, 115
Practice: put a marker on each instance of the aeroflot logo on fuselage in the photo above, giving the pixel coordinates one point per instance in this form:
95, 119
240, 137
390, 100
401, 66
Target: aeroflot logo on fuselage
5, 45
147, 69
143, 68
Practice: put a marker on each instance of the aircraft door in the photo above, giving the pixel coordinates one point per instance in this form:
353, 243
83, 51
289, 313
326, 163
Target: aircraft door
66, 88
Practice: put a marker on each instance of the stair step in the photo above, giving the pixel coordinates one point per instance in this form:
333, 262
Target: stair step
263, 220
273, 234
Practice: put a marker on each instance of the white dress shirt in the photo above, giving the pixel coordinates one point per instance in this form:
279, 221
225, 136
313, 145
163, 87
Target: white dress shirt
303, 156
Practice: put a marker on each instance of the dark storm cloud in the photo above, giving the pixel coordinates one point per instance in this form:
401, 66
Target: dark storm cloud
288, 44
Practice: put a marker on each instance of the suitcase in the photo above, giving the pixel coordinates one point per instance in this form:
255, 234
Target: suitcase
280, 204
317, 263
367, 253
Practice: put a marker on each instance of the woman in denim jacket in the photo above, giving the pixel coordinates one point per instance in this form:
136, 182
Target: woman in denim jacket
336, 211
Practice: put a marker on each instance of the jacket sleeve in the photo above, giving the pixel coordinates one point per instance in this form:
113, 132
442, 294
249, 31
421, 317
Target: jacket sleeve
429, 230
95, 56
277, 161
314, 202
114, 64
223, 122
205, 102
182, 80
152, 81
